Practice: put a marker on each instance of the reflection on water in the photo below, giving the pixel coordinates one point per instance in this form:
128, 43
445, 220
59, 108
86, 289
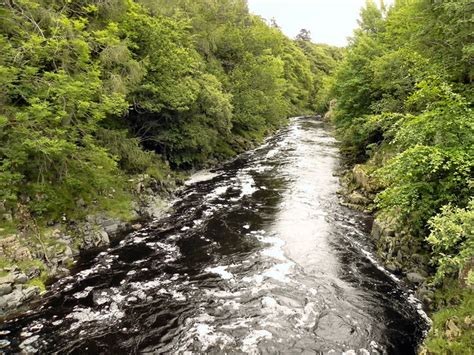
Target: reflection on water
257, 257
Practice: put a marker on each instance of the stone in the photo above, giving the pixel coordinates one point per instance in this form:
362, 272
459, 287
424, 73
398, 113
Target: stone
5, 288
8, 279
415, 277
103, 238
361, 177
68, 251
33, 272
383, 228
7, 217
358, 199
392, 268
10, 248
137, 226
12, 300
112, 228
21, 278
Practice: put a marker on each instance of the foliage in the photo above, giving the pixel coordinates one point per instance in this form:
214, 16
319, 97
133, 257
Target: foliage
452, 240
96, 92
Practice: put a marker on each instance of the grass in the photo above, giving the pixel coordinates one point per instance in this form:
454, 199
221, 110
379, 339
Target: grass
453, 324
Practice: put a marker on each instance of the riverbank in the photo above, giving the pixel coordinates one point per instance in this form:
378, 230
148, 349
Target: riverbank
37, 255
449, 305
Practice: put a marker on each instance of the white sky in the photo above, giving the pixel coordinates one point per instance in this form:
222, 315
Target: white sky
330, 21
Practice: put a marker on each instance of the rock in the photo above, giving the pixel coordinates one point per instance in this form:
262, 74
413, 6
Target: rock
154, 207
383, 228
8, 279
5, 288
33, 272
358, 199
137, 226
11, 300
112, 228
10, 248
21, 278
104, 238
7, 217
425, 294
68, 251
415, 278
361, 177
392, 268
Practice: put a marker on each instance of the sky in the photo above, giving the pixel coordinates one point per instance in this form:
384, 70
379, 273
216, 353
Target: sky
330, 21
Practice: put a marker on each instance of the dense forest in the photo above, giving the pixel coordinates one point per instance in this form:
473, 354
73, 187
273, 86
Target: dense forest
95, 93
403, 99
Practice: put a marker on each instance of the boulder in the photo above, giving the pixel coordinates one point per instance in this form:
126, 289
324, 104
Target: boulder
8, 279
11, 248
362, 178
16, 298
416, 278
383, 227
357, 198
5, 289
20, 278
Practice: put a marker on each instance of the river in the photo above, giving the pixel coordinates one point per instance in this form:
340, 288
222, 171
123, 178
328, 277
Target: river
256, 257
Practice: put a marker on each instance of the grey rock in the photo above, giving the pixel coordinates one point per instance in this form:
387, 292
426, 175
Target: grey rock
8, 279
12, 300
104, 238
30, 292
112, 228
33, 272
21, 278
5, 289
415, 278
68, 251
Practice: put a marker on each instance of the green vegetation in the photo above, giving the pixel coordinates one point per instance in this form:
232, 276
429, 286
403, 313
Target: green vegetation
97, 95
404, 109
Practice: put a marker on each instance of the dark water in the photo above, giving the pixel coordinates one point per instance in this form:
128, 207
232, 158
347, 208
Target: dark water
259, 258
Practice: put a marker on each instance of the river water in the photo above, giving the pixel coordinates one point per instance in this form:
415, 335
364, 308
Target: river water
256, 257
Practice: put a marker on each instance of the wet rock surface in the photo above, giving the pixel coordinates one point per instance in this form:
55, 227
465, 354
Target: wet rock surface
260, 257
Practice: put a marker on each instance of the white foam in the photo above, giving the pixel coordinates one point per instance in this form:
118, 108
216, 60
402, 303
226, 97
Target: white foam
221, 271
247, 185
279, 272
249, 344
200, 176
271, 153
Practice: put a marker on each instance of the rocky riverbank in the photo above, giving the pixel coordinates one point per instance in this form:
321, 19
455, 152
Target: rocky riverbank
395, 247
35, 256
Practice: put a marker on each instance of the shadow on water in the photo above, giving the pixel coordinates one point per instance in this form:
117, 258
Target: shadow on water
260, 258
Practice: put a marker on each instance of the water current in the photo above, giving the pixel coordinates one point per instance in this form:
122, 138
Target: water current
256, 257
